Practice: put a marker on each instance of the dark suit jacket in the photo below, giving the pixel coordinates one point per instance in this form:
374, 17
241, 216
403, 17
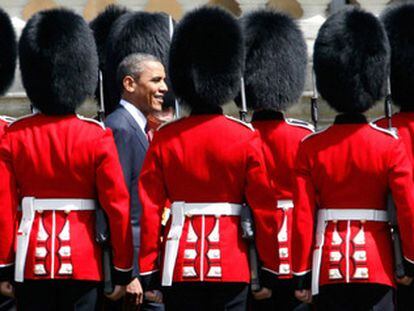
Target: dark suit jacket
132, 145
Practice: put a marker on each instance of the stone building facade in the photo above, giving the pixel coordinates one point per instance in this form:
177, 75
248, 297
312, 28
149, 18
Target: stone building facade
310, 15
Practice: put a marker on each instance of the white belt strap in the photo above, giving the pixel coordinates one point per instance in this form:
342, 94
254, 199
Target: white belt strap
284, 204
352, 214
326, 215
178, 212
28, 207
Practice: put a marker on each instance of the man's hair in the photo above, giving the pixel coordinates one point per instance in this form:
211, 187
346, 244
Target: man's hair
133, 65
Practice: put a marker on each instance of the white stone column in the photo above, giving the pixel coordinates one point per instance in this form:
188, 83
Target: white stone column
188, 5
75, 5
314, 15
374, 6
136, 5
313, 8
251, 5
14, 7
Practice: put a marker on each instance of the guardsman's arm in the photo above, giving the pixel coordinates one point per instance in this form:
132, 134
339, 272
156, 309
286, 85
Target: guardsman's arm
8, 215
401, 183
303, 221
114, 199
153, 196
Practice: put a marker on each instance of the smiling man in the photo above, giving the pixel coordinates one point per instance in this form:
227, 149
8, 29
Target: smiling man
141, 81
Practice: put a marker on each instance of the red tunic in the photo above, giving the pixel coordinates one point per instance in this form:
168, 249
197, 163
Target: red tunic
201, 159
351, 165
404, 123
63, 157
281, 138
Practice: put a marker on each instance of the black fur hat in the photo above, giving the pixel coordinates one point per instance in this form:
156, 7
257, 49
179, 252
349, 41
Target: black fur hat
351, 60
8, 52
399, 24
207, 57
276, 58
137, 32
101, 26
58, 61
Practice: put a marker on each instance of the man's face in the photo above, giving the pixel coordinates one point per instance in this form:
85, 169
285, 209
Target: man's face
147, 92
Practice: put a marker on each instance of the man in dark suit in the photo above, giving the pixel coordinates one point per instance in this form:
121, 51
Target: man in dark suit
141, 81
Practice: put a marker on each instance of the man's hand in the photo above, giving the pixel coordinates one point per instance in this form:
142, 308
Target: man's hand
154, 296
405, 280
7, 289
263, 293
304, 295
118, 292
134, 293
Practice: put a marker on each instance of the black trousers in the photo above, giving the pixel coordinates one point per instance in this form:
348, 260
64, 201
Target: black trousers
405, 297
355, 297
119, 305
283, 299
60, 295
205, 296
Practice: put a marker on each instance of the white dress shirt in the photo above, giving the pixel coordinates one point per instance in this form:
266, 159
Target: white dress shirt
135, 113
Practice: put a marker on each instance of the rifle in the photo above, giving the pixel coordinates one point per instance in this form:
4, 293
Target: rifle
243, 110
176, 104
247, 225
246, 217
314, 103
395, 232
101, 223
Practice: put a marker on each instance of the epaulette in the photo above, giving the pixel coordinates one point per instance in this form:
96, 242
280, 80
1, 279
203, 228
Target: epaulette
168, 123
315, 133
300, 123
7, 119
91, 120
248, 125
22, 118
386, 131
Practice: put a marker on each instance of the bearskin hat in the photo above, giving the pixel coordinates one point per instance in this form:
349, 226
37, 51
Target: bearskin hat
399, 23
207, 58
8, 52
137, 32
58, 61
101, 26
276, 58
351, 60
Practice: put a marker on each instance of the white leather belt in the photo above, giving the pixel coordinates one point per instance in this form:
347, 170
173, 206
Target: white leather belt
284, 204
29, 206
179, 210
326, 215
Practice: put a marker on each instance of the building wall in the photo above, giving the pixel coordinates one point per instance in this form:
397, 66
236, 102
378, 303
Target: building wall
310, 14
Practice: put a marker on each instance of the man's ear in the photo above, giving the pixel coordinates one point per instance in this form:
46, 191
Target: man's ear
128, 83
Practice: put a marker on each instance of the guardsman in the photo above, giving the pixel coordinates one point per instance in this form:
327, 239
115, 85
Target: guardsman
275, 78
397, 21
57, 168
345, 173
206, 165
8, 55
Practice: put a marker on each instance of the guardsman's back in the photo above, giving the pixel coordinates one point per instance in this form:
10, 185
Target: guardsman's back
345, 173
57, 170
